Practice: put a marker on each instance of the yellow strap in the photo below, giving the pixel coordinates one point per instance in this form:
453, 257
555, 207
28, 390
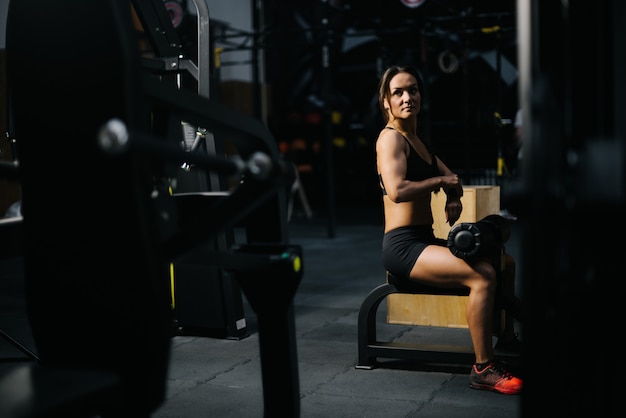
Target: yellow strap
172, 285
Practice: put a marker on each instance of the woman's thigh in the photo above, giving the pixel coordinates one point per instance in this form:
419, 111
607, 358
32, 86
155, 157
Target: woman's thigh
437, 266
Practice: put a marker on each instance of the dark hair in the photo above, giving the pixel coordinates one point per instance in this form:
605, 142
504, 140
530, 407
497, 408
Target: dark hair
385, 79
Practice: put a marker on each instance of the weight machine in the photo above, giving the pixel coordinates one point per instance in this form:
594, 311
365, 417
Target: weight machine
97, 262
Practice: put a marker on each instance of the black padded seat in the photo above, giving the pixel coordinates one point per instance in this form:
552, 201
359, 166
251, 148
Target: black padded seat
407, 286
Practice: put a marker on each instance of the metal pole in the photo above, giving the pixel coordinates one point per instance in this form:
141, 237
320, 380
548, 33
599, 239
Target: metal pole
326, 91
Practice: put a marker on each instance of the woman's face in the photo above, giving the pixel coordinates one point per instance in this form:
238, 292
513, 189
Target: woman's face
404, 99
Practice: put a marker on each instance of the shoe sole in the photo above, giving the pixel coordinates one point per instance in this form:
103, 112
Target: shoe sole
490, 388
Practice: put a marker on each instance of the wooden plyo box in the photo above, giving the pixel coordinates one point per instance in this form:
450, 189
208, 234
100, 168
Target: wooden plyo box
444, 310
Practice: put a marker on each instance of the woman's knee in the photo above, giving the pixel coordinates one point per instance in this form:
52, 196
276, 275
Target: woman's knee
485, 268
486, 274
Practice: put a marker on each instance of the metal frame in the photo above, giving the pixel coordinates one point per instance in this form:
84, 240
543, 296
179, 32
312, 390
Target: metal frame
371, 348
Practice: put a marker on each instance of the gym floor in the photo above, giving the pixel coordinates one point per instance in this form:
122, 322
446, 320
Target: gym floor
220, 377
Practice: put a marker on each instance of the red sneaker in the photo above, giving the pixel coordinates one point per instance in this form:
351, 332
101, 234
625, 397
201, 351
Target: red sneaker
496, 378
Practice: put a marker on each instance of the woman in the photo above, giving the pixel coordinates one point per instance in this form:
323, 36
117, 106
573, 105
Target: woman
409, 172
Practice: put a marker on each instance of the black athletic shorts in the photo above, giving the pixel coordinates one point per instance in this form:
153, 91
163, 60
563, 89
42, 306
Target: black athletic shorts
402, 246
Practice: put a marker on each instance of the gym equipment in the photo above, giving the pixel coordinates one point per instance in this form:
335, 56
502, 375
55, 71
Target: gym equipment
467, 240
486, 237
371, 348
11, 247
102, 229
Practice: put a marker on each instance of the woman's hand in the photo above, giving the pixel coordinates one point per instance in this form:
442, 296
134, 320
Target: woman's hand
454, 207
454, 191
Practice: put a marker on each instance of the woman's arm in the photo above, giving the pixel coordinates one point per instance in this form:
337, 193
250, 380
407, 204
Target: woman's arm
451, 181
391, 158
454, 191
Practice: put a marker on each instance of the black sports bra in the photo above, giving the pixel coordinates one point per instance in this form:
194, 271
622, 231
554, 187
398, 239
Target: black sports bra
416, 168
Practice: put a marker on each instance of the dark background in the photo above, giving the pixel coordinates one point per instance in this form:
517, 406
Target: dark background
326, 118
460, 104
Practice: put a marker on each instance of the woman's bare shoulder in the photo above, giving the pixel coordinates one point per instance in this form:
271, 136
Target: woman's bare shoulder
389, 138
